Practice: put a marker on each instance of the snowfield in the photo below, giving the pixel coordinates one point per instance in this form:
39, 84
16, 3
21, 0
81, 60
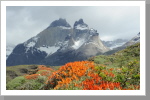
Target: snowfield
78, 43
49, 50
81, 27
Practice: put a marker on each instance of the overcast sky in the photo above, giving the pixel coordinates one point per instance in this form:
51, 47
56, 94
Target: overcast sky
22, 23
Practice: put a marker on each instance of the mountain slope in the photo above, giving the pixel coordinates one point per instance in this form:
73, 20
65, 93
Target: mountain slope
84, 43
9, 49
115, 43
119, 58
133, 41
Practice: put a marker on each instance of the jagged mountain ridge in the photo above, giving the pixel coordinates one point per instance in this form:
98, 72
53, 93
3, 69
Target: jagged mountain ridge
58, 44
133, 41
114, 43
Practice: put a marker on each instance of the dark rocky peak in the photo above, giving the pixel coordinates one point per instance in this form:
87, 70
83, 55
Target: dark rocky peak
60, 22
93, 32
80, 24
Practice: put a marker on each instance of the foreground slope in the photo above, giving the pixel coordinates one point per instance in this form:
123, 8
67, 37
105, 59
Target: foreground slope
119, 58
119, 71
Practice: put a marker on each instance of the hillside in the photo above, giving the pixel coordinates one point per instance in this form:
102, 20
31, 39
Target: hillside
119, 58
119, 71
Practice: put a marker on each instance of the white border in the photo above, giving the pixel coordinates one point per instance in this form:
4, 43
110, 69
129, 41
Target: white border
72, 3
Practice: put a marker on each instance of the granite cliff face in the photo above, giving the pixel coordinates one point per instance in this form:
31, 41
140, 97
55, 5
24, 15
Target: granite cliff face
58, 44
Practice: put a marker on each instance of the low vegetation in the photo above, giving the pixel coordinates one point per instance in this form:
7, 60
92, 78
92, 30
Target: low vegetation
120, 71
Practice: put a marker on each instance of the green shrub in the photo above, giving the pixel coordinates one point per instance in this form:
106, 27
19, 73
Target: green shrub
17, 82
20, 83
30, 85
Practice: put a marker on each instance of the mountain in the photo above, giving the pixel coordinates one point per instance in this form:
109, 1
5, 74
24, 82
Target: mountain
9, 49
133, 41
115, 43
58, 44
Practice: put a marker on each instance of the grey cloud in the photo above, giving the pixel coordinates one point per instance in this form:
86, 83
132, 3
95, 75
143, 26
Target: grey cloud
111, 22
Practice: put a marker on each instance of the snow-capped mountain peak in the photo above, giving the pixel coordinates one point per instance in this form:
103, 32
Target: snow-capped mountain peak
60, 22
80, 25
58, 44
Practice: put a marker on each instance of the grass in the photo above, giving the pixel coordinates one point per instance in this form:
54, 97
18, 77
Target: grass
19, 70
21, 83
120, 58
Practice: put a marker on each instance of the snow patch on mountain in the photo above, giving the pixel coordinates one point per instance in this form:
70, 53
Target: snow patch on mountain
49, 50
35, 39
81, 27
31, 44
117, 45
78, 43
92, 31
63, 27
64, 45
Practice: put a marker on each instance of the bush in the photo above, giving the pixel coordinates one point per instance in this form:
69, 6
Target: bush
15, 83
21, 83
30, 85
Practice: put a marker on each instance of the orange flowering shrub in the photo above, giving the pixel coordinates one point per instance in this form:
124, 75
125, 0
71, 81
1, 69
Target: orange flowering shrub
96, 84
69, 72
85, 75
70, 76
43, 67
128, 75
42, 71
33, 76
